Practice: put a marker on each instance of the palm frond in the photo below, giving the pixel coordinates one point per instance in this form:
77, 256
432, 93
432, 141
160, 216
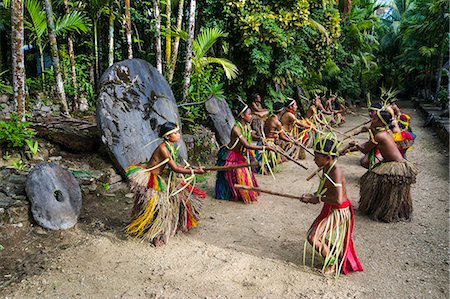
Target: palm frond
38, 24
231, 70
205, 40
74, 21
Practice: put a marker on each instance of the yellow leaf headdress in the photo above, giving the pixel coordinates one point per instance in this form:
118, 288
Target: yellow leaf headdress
327, 144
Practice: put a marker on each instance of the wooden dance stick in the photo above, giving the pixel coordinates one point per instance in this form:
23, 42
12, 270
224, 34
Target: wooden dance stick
305, 148
358, 114
298, 143
314, 173
267, 191
230, 167
279, 151
363, 124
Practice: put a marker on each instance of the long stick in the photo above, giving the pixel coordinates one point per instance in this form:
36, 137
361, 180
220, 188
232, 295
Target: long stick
291, 138
266, 191
279, 151
230, 167
357, 126
314, 173
358, 114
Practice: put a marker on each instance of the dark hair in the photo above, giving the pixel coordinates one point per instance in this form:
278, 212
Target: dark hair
238, 109
166, 127
329, 147
387, 117
376, 105
254, 96
277, 106
289, 102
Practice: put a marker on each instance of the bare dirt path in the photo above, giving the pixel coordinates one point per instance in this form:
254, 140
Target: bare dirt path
248, 251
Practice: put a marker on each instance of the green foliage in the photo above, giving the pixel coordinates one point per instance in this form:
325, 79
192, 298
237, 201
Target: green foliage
33, 146
6, 156
14, 133
416, 33
105, 186
443, 95
5, 88
84, 84
17, 164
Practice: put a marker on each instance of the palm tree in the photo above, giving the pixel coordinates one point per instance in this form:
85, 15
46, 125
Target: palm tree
128, 29
55, 57
36, 26
111, 18
168, 36
18, 66
158, 35
176, 42
202, 45
190, 38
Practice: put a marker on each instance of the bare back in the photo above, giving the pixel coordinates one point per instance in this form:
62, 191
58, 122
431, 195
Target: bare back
272, 127
160, 154
388, 148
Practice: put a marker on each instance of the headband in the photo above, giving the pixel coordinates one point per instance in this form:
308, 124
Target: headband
381, 118
290, 102
243, 110
170, 132
319, 145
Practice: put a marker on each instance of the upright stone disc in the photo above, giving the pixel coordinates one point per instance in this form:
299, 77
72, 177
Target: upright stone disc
134, 101
222, 118
55, 196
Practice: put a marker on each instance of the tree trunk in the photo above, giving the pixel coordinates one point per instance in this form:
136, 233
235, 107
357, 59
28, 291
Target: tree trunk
97, 75
111, 36
439, 74
176, 41
188, 67
55, 57
128, 29
41, 58
18, 66
168, 36
448, 82
158, 36
75, 103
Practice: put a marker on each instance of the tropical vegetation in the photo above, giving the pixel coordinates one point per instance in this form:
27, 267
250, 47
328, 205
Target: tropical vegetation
228, 49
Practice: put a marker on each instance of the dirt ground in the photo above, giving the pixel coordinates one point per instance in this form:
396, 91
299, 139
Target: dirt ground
241, 251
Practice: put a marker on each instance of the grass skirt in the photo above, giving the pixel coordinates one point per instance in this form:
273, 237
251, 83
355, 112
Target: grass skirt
226, 180
268, 160
161, 208
385, 191
338, 221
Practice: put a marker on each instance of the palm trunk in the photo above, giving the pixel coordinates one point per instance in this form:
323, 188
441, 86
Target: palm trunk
111, 37
55, 57
128, 28
439, 74
176, 43
158, 36
188, 67
168, 36
75, 103
41, 59
97, 75
18, 66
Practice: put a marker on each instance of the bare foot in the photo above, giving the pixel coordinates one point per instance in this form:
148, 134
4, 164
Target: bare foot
158, 243
330, 270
